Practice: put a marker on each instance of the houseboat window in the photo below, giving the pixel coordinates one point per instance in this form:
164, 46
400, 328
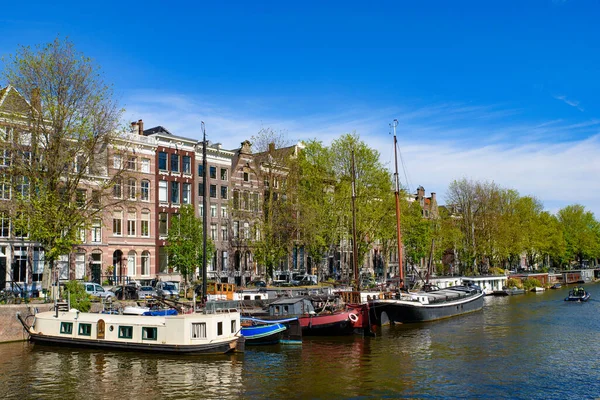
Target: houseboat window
285, 309
149, 333
199, 330
125, 332
85, 329
219, 328
247, 297
277, 309
66, 327
257, 297
233, 326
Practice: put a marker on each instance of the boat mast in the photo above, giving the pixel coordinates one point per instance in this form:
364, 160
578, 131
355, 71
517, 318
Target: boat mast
354, 243
397, 195
204, 219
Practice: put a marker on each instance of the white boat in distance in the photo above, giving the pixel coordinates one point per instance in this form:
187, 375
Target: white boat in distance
198, 333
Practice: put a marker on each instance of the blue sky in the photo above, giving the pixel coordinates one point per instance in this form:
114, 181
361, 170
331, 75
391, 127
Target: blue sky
498, 91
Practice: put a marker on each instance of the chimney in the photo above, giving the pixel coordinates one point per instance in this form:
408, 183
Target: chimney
271, 147
134, 127
433, 197
141, 127
36, 102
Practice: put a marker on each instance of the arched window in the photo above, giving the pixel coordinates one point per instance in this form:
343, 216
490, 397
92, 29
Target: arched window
131, 263
145, 263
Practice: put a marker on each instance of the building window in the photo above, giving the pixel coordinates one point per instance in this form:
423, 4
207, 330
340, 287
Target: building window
131, 267
213, 191
145, 263
201, 208
4, 190
213, 210
224, 235
118, 189
162, 224
80, 196
236, 200
174, 163
131, 223
246, 177
66, 328
201, 170
224, 261
236, 229
117, 161
246, 202
224, 192
199, 330
4, 158
23, 186
117, 223
186, 166
223, 211
150, 333
145, 190
96, 231
201, 189
187, 193
219, 328
233, 326
213, 172
125, 332
162, 191
131, 163
175, 192
145, 165
246, 230
223, 174
162, 161
4, 224
85, 329
131, 186
95, 200
163, 259
255, 202
145, 224
213, 232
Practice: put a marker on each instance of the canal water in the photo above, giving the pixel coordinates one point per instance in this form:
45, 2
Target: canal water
532, 346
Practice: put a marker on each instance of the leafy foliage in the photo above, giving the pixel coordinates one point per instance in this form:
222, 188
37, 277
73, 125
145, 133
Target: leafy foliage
79, 298
185, 242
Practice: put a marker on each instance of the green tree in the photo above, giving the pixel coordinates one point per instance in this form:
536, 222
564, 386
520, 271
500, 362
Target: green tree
185, 243
59, 142
580, 230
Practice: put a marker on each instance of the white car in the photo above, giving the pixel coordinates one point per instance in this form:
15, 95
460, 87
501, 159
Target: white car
95, 290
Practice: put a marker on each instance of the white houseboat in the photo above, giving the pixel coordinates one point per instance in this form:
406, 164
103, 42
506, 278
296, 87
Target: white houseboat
208, 333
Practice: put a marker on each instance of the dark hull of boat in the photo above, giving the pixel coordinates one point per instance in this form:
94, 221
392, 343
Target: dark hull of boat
219, 348
508, 292
578, 298
265, 340
399, 311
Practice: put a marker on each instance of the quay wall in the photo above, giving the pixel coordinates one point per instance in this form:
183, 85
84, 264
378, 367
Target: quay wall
11, 329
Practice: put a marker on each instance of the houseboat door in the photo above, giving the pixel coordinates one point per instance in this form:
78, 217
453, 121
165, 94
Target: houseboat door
101, 329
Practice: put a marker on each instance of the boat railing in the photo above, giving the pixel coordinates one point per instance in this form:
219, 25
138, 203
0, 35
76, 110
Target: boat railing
213, 307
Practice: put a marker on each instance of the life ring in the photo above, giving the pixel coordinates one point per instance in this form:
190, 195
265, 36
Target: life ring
353, 317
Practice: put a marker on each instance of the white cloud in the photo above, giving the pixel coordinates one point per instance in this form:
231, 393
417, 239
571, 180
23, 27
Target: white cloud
572, 103
556, 160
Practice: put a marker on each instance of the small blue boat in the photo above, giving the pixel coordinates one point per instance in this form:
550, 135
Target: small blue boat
578, 294
261, 332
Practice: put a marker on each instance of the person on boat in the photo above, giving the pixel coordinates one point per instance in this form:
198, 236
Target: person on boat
401, 287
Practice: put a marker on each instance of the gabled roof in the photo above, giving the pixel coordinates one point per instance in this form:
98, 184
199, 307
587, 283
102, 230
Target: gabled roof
12, 101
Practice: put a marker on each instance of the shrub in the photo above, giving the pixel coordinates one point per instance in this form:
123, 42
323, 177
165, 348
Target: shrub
530, 283
513, 282
79, 298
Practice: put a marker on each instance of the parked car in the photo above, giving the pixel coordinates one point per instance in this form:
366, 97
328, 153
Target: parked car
146, 292
131, 292
95, 290
167, 290
257, 283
